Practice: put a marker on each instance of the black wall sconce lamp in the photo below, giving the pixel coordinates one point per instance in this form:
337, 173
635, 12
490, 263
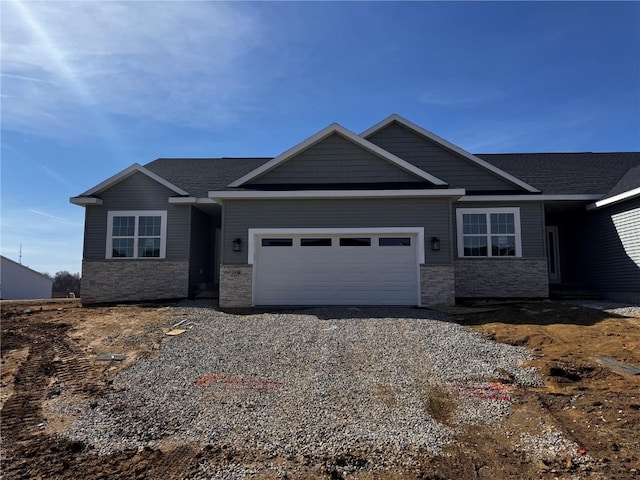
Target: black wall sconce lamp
435, 243
237, 245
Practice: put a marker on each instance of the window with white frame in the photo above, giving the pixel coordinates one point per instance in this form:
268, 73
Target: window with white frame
489, 232
136, 234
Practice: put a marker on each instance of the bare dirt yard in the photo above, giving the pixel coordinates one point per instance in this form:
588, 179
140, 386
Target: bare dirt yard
582, 420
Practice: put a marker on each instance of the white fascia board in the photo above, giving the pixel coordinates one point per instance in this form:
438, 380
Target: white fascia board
191, 200
435, 138
321, 135
127, 172
529, 198
295, 194
84, 201
616, 198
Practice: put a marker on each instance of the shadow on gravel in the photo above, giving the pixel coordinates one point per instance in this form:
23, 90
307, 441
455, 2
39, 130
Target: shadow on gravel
542, 312
538, 313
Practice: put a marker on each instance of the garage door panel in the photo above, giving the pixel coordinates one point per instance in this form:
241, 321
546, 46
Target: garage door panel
336, 275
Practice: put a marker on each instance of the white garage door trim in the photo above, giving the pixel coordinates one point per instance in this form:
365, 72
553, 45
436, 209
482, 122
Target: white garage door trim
416, 232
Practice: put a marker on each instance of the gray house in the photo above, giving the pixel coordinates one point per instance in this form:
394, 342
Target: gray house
393, 216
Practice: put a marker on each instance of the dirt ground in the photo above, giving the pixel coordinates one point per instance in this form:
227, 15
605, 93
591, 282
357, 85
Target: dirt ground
49, 350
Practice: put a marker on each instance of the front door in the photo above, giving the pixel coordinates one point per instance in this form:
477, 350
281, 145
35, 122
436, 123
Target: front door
553, 255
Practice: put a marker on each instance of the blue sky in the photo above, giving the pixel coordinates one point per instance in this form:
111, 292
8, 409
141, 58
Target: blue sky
90, 87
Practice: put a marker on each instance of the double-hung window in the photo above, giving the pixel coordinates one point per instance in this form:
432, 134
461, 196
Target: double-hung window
489, 232
136, 234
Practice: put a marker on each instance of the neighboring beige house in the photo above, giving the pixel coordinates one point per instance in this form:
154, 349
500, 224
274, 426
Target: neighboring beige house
18, 282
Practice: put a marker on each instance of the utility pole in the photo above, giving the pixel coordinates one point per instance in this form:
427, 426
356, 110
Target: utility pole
20, 255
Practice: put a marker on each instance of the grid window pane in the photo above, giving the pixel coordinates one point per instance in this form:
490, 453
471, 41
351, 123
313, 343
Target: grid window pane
149, 247
149, 226
124, 226
122, 247
475, 246
503, 245
474, 223
502, 224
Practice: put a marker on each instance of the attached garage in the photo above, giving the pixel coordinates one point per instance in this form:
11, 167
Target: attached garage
336, 267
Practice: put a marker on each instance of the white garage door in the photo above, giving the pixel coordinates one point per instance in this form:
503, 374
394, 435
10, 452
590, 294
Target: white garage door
336, 269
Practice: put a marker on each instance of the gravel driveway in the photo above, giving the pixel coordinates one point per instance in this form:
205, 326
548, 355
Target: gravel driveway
313, 382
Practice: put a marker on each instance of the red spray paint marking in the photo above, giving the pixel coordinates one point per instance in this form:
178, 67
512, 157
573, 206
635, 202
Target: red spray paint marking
257, 385
493, 391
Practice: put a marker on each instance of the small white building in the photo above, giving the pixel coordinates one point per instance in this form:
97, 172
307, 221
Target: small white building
18, 282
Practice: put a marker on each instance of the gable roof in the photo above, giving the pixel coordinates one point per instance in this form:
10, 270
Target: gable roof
87, 197
24, 267
449, 146
334, 128
567, 173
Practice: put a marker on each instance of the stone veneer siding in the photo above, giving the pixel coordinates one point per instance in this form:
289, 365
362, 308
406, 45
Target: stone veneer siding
236, 286
501, 277
437, 285
105, 281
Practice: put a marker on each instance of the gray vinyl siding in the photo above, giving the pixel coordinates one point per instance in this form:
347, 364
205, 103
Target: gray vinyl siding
335, 160
531, 224
438, 161
431, 214
137, 192
612, 249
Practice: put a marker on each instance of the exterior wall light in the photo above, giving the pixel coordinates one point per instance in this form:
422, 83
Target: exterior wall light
435, 243
237, 245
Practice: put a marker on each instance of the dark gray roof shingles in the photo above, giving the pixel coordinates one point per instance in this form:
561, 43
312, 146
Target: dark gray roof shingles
551, 173
567, 173
200, 175
629, 181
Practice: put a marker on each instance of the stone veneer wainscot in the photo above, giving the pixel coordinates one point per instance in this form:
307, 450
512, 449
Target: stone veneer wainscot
121, 280
501, 277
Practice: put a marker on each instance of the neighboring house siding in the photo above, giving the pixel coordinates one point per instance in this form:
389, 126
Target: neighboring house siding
438, 161
335, 160
18, 282
612, 248
432, 214
138, 192
531, 224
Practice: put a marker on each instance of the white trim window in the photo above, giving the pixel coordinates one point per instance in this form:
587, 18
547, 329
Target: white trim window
137, 234
489, 232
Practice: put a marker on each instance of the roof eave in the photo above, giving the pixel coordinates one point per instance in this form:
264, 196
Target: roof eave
621, 197
345, 194
85, 201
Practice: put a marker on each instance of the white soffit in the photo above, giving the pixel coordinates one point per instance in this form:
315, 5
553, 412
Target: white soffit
616, 198
448, 145
321, 135
289, 194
